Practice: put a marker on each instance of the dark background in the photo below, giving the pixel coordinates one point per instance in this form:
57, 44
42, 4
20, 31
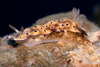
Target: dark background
26, 12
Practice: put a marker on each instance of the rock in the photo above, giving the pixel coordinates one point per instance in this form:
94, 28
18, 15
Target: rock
49, 54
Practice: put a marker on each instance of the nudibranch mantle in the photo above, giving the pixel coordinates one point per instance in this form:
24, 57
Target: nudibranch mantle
64, 30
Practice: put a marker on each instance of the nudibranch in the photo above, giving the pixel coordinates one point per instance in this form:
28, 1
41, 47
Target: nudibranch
64, 30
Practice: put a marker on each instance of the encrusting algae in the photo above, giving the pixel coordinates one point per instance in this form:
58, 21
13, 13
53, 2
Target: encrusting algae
60, 40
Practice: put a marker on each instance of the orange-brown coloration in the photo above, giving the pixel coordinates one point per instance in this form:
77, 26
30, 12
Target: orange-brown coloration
53, 37
56, 30
47, 28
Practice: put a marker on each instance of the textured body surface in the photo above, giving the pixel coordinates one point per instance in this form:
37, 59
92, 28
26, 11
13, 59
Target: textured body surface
76, 50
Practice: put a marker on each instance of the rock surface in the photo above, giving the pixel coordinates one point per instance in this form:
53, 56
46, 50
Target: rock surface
49, 54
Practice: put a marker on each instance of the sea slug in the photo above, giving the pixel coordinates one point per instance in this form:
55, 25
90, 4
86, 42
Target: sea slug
63, 29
